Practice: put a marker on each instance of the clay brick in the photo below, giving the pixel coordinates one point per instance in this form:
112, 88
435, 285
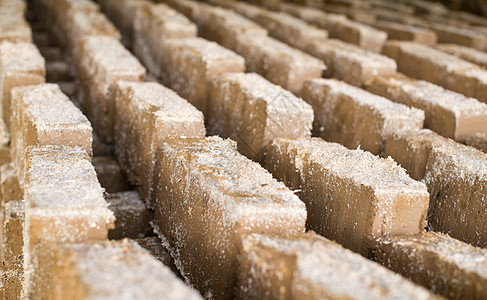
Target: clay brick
446, 266
153, 25
478, 140
384, 14
200, 173
353, 13
338, 26
432, 65
470, 18
472, 55
4, 155
395, 6
110, 174
189, 65
307, 266
12, 283
4, 141
146, 114
448, 113
43, 115
422, 7
51, 53
64, 203
456, 180
351, 63
405, 32
346, 195
13, 26
13, 237
20, 64
461, 36
354, 117
10, 189
154, 245
253, 111
132, 217
114, 269
278, 62
103, 61
122, 14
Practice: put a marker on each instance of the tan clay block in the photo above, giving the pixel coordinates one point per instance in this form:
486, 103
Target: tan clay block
472, 55
132, 217
153, 24
353, 13
199, 174
405, 32
10, 189
448, 113
58, 71
352, 196
456, 179
446, 266
4, 140
103, 61
354, 117
43, 115
12, 283
340, 27
461, 36
122, 13
278, 62
146, 114
253, 111
189, 65
13, 237
307, 266
351, 63
13, 26
110, 270
110, 174
443, 69
20, 64
478, 140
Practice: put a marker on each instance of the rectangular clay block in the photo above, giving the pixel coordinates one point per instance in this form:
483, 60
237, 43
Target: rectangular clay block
445, 265
354, 117
472, 55
448, 113
448, 71
20, 64
252, 111
478, 140
456, 178
349, 62
13, 26
132, 217
43, 115
103, 61
352, 196
109, 270
63, 203
146, 114
307, 266
208, 196
461, 36
189, 65
12, 259
406, 32
10, 189
340, 27
153, 24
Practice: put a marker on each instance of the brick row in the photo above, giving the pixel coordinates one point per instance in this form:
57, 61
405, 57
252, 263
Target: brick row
354, 117
201, 173
406, 32
339, 27
113, 269
309, 266
343, 61
461, 36
13, 26
64, 203
448, 113
352, 196
472, 55
455, 176
432, 65
446, 266
274, 60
